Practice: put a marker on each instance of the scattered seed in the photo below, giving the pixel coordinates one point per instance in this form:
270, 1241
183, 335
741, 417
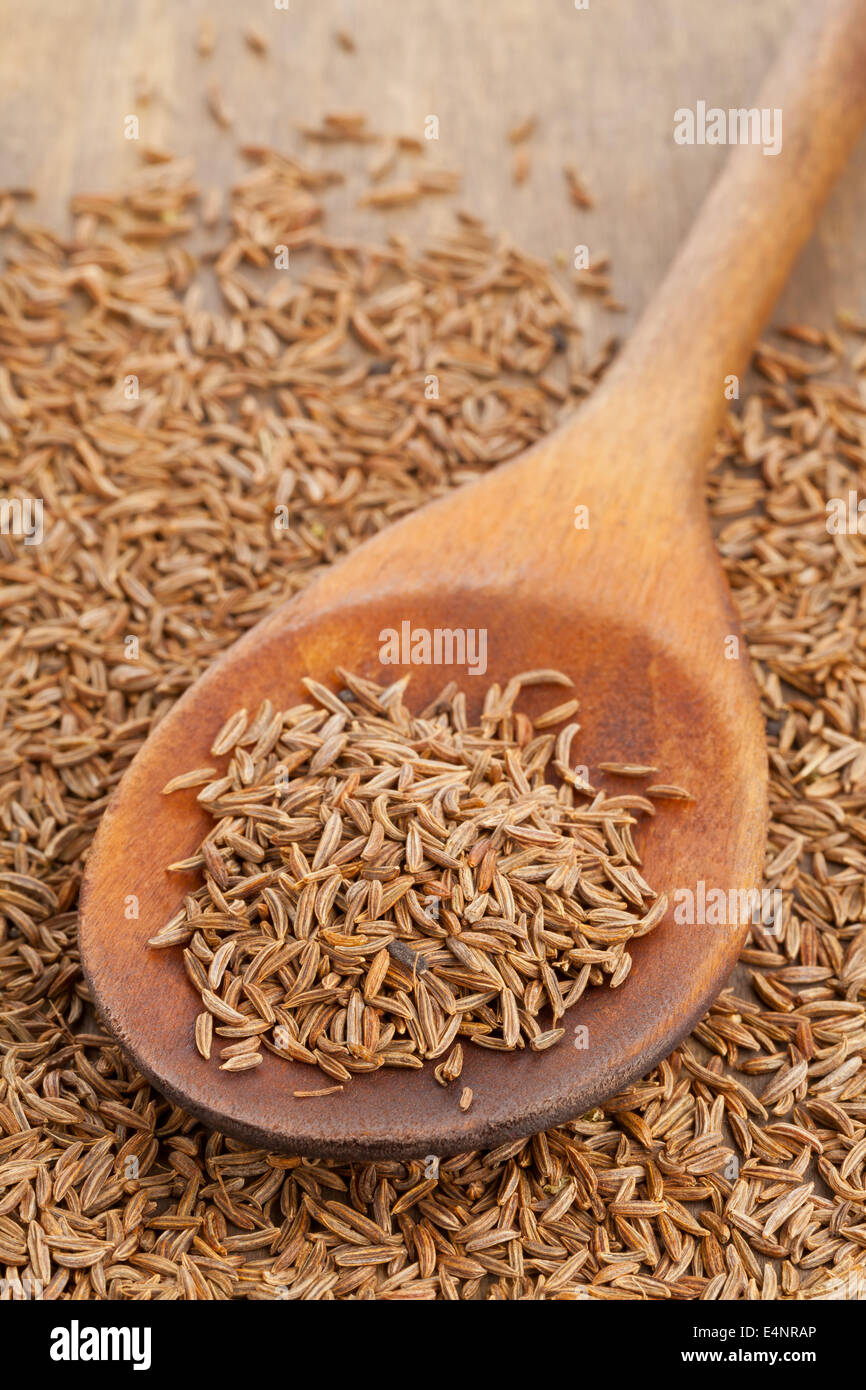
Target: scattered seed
217, 106
206, 38
522, 130
256, 40
628, 769
577, 189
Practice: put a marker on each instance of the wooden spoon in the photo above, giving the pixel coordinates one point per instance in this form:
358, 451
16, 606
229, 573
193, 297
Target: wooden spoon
635, 608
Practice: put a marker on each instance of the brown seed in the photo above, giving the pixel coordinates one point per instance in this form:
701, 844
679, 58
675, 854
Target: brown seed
576, 188
204, 1034
256, 40
197, 778
520, 165
217, 106
242, 1061
629, 769
522, 130
558, 715
206, 37
671, 793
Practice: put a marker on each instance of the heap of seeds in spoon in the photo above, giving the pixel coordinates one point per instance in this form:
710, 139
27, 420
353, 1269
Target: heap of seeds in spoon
380, 887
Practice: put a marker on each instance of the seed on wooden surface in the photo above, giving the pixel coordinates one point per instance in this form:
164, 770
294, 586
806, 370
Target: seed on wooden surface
577, 189
522, 130
206, 41
256, 40
558, 715
204, 1034
520, 165
242, 1061
670, 793
198, 777
629, 769
217, 105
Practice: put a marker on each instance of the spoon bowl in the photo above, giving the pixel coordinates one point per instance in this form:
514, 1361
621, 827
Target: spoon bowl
644, 698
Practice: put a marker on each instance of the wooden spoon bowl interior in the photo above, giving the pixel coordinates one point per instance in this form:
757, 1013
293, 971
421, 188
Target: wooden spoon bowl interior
639, 702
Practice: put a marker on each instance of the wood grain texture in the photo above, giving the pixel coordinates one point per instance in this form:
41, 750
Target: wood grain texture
604, 84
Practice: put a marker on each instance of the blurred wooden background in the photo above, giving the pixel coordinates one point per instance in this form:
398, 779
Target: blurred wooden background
603, 82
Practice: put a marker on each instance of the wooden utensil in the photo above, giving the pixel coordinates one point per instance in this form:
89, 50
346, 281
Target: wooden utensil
635, 608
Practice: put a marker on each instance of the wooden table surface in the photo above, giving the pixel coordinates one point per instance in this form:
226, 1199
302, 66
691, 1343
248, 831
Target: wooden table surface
604, 83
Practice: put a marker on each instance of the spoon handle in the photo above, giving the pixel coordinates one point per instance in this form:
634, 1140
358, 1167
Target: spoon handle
717, 295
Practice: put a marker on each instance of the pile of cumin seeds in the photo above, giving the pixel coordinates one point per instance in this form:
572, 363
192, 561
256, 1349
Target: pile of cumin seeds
381, 887
159, 519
